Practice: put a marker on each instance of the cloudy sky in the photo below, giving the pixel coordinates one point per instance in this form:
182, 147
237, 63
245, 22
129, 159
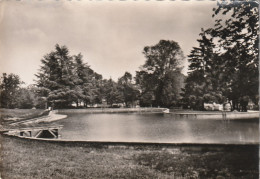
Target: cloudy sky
110, 34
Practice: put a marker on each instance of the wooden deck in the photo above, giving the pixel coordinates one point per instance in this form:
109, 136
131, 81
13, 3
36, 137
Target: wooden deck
50, 132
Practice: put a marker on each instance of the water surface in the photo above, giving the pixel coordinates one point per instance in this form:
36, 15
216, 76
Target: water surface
130, 127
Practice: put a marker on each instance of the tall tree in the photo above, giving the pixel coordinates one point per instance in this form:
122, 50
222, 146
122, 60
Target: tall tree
205, 81
64, 79
239, 39
56, 80
155, 77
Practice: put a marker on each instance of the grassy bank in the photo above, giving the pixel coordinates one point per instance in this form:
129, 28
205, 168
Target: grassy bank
11, 115
39, 159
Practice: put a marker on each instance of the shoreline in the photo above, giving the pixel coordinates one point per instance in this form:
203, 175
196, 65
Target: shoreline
221, 115
192, 147
112, 110
124, 144
179, 114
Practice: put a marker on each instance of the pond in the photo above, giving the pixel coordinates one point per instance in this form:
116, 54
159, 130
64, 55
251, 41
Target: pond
131, 127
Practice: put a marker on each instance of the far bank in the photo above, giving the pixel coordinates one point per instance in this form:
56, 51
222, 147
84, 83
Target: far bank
185, 114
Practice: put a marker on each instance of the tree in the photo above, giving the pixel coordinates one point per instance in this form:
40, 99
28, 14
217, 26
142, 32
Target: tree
12, 95
112, 94
85, 81
230, 68
56, 79
39, 102
26, 98
129, 90
156, 77
64, 79
9, 87
238, 37
205, 81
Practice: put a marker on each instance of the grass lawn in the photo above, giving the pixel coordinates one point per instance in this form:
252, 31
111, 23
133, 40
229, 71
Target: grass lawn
39, 159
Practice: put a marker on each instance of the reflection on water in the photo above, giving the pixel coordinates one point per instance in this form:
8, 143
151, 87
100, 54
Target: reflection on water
157, 128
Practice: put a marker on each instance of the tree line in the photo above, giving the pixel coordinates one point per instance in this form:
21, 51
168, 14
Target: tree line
64, 79
223, 67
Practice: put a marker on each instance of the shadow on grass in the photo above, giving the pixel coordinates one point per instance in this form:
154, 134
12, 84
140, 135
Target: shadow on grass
235, 163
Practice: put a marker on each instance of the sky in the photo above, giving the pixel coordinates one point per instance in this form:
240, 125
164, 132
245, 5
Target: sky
110, 35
